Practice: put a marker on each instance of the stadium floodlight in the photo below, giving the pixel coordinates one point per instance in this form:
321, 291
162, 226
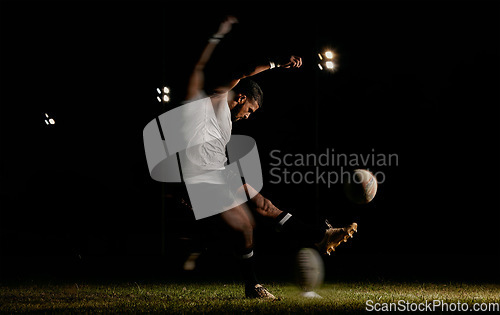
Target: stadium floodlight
164, 94
327, 60
48, 120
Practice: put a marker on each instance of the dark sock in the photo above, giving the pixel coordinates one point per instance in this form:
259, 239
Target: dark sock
288, 223
247, 266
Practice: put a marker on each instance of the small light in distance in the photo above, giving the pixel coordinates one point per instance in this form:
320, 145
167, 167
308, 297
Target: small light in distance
166, 98
46, 115
46, 121
52, 121
320, 67
329, 55
166, 90
158, 98
320, 57
158, 90
330, 65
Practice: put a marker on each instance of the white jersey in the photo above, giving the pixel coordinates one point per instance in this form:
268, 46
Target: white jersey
206, 152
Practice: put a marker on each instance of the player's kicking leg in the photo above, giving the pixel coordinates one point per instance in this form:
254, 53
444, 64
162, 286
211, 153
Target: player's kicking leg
325, 241
335, 236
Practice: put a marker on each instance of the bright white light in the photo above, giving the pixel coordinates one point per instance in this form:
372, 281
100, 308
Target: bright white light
166, 90
320, 67
320, 57
46, 121
158, 98
166, 98
158, 90
46, 115
52, 121
330, 65
329, 54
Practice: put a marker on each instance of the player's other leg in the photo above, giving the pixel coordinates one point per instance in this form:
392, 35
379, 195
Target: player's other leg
241, 220
325, 241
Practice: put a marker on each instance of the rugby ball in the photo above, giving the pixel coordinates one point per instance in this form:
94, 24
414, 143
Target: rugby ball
309, 269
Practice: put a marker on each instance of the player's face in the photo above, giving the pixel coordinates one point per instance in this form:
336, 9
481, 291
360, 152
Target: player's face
243, 109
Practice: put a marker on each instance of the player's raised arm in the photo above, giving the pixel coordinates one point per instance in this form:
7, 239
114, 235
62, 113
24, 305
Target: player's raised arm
254, 68
196, 81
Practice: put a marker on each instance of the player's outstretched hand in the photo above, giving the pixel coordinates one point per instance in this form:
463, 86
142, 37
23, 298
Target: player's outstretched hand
290, 62
226, 26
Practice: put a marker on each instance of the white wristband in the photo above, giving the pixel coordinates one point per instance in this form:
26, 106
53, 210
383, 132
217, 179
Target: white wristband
215, 38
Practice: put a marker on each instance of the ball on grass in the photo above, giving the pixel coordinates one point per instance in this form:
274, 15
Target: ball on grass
309, 269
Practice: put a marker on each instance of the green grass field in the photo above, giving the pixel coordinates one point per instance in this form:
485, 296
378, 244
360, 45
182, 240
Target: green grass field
229, 297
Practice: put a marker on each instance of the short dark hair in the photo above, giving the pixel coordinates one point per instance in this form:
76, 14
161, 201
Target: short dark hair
251, 89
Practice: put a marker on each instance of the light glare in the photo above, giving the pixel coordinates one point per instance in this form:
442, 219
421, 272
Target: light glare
166, 90
320, 57
329, 54
52, 121
158, 98
158, 90
320, 67
166, 98
330, 65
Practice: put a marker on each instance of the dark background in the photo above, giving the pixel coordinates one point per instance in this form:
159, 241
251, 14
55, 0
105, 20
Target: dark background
416, 79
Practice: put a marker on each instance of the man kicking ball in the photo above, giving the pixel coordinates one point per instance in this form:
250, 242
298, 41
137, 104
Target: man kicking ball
235, 98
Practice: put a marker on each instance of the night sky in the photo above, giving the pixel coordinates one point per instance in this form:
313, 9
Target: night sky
416, 79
